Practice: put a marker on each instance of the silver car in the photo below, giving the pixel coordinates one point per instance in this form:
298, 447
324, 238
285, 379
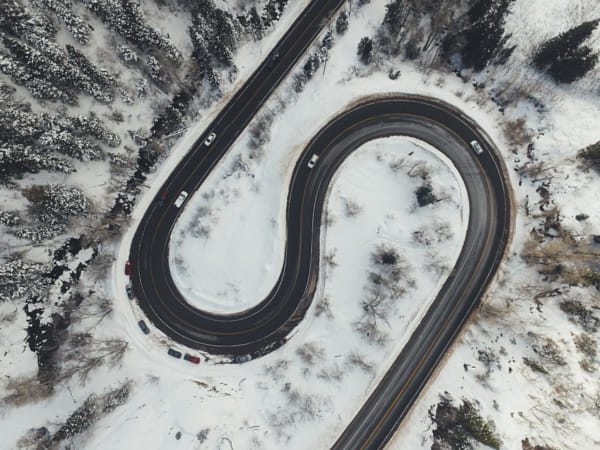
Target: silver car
209, 139
476, 147
313, 160
180, 199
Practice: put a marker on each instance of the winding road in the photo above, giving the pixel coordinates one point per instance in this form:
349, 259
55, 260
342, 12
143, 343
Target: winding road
264, 326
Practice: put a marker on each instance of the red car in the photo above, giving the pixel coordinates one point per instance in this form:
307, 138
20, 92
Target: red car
192, 359
127, 268
163, 197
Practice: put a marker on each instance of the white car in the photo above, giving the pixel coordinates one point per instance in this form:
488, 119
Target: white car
180, 199
209, 139
313, 160
476, 147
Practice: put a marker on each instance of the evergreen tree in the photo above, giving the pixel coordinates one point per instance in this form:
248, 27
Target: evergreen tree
396, 15
564, 56
484, 38
63, 10
341, 24
365, 50
311, 65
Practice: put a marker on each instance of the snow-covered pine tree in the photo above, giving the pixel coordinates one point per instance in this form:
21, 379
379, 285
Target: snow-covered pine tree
564, 57
341, 23
365, 50
63, 9
485, 37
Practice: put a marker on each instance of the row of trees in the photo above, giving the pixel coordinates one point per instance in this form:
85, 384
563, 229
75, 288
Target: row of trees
216, 34
34, 59
30, 142
477, 35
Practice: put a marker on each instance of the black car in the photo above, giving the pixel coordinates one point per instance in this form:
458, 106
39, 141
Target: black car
144, 327
273, 60
129, 292
174, 353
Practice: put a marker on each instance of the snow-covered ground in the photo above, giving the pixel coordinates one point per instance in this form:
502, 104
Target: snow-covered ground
303, 395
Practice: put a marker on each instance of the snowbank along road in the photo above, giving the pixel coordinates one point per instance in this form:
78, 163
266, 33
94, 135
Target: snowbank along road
265, 325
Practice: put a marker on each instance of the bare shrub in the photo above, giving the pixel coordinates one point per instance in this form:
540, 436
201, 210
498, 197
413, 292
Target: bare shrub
323, 307
371, 332
550, 352
586, 344
587, 365
355, 359
334, 373
421, 170
330, 258
351, 208
516, 132
277, 370
310, 353
582, 315
397, 163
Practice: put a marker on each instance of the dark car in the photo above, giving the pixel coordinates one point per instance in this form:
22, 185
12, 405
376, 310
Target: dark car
174, 353
127, 268
163, 197
129, 292
192, 359
273, 60
144, 327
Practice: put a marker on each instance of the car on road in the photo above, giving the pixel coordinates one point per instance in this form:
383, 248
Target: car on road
239, 359
163, 197
192, 359
476, 147
209, 139
144, 327
174, 353
129, 292
313, 160
180, 199
273, 61
127, 268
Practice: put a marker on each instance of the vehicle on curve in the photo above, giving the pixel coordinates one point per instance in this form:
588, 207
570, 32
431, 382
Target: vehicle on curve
144, 327
192, 359
476, 147
209, 139
127, 268
163, 197
180, 199
313, 160
239, 359
174, 353
129, 292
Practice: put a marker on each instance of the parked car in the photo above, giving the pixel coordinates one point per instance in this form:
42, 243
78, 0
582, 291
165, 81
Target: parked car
242, 359
313, 160
209, 139
476, 147
129, 291
127, 268
163, 197
180, 199
273, 61
174, 353
192, 359
144, 327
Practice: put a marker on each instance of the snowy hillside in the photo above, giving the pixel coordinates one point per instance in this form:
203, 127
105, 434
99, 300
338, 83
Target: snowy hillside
99, 103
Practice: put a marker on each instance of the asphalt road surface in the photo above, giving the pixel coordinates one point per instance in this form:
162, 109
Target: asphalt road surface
264, 326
